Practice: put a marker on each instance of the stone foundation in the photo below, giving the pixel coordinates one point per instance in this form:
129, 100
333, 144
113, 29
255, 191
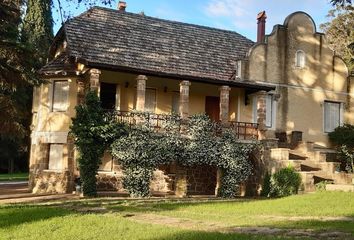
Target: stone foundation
51, 182
201, 180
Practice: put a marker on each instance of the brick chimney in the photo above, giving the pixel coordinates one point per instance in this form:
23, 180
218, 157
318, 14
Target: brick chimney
122, 5
261, 22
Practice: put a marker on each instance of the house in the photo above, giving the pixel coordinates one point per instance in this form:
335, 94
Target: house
288, 89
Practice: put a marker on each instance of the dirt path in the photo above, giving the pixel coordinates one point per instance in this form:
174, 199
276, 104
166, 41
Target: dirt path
219, 227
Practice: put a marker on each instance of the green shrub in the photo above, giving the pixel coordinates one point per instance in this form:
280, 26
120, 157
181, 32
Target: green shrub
266, 185
343, 138
321, 186
343, 135
284, 183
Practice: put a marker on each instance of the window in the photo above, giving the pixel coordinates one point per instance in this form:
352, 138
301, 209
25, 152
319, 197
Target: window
270, 111
300, 59
238, 69
106, 163
332, 115
60, 96
150, 100
175, 102
55, 157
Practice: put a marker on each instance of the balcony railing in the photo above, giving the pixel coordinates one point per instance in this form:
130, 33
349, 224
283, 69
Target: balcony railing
243, 130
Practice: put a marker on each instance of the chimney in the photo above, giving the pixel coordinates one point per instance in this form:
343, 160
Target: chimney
261, 21
122, 5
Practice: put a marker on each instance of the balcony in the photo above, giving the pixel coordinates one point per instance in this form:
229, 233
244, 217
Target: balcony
243, 130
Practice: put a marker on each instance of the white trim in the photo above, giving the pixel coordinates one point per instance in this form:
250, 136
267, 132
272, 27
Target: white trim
117, 97
238, 107
49, 137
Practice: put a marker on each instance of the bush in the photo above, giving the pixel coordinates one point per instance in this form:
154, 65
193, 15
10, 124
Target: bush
343, 138
266, 185
343, 135
284, 183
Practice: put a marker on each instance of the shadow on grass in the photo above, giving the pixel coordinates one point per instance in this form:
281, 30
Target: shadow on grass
15, 215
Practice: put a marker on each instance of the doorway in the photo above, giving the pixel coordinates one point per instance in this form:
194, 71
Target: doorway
212, 107
108, 93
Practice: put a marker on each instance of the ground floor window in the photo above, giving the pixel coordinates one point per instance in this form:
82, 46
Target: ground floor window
106, 163
150, 100
55, 157
332, 115
270, 111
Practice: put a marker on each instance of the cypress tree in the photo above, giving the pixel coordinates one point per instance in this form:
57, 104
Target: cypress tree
38, 28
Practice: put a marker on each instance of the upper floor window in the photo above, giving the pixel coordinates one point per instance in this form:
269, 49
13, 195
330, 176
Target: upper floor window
300, 59
333, 115
60, 96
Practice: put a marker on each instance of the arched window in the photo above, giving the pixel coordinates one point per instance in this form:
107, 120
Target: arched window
300, 59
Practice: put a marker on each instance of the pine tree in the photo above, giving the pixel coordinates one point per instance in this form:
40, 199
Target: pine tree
38, 28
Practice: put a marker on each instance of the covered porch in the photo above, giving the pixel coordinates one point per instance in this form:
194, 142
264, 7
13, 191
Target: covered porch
228, 103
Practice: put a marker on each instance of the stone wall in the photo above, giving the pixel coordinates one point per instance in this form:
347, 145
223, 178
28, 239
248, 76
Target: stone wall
51, 182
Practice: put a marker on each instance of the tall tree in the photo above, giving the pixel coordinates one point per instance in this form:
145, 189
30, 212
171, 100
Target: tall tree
341, 2
38, 28
16, 77
340, 34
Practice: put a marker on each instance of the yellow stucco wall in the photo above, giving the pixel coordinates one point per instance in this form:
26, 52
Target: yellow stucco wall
302, 90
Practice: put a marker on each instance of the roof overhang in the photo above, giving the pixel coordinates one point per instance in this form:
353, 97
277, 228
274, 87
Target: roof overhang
232, 83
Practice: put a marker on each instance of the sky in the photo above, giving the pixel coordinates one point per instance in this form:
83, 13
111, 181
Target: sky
235, 15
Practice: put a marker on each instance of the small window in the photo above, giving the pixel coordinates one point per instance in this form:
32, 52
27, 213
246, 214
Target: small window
175, 102
60, 96
150, 100
238, 69
332, 115
300, 59
55, 157
270, 108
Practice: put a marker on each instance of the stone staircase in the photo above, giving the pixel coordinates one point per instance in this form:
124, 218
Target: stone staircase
315, 164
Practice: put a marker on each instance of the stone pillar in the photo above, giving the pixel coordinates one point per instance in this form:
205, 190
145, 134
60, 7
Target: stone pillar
224, 104
181, 182
184, 99
140, 92
95, 80
261, 114
218, 181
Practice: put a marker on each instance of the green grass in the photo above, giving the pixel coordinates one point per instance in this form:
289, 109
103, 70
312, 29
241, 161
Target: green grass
14, 177
320, 211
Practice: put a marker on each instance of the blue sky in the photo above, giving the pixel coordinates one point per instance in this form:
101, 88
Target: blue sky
235, 15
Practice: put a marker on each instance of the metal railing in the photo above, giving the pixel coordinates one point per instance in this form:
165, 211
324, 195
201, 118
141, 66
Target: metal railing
243, 130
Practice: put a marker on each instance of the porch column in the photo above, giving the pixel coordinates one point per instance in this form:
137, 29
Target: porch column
95, 80
261, 114
224, 104
140, 92
184, 99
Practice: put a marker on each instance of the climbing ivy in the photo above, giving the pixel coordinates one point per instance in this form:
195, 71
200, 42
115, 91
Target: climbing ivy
93, 134
202, 143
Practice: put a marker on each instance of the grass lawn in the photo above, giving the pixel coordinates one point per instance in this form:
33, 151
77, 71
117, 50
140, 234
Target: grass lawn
319, 213
14, 177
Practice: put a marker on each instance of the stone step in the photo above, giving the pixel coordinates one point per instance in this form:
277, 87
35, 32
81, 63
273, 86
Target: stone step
307, 180
337, 177
340, 187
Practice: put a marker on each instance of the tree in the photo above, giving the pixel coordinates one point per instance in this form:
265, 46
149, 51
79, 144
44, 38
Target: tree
341, 2
38, 29
340, 34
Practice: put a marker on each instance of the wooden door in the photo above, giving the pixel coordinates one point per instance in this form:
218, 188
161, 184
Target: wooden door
212, 107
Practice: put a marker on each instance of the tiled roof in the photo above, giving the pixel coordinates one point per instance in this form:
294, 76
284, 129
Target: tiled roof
111, 38
61, 65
